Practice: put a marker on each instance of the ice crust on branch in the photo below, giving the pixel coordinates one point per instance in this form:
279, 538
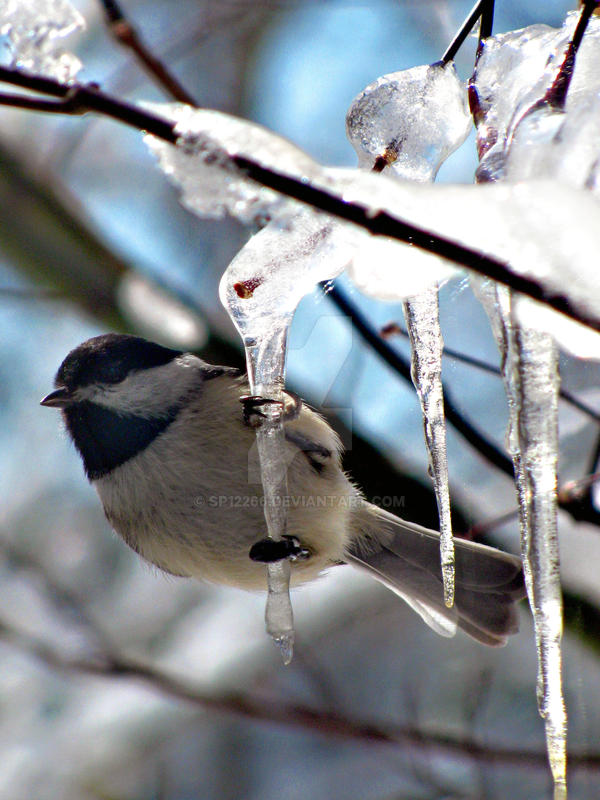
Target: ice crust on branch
35, 30
412, 121
543, 229
514, 72
201, 167
520, 137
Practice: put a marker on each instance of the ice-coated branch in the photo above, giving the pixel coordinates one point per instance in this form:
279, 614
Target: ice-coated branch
323, 195
556, 95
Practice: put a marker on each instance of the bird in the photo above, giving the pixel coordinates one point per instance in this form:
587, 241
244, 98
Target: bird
168, 442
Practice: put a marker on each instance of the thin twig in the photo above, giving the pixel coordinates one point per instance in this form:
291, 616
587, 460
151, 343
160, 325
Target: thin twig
401, 365
464, 31
89, 98
124, 32
393, 328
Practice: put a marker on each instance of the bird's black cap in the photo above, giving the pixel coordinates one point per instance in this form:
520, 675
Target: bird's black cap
109, 359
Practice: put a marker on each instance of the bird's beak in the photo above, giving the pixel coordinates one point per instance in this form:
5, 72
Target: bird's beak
59, 398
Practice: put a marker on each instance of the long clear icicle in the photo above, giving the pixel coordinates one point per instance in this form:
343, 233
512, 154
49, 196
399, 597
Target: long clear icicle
537, 420
530, 372
412, 121
261, 289
265, 359
522, 136
422, 320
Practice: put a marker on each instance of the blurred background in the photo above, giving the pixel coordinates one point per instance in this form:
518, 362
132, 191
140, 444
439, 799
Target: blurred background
117, 682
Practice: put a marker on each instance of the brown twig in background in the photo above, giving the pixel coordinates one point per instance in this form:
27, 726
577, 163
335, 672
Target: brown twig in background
261, 709
124, 32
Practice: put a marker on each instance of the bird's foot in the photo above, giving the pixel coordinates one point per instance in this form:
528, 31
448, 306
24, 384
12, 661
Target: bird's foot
268, 550
253, 416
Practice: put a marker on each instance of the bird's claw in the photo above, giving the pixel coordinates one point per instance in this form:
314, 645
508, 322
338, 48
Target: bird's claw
268, 550
253, 416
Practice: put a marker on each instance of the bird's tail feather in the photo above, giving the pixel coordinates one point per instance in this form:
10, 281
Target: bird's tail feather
406, 558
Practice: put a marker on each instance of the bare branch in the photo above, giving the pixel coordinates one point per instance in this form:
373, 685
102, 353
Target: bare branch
259, 709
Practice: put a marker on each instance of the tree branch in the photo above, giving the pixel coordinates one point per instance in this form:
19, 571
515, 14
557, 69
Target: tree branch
78, 99
259, 709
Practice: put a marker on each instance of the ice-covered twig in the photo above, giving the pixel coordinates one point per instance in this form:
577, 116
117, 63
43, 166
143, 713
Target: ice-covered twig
442, 222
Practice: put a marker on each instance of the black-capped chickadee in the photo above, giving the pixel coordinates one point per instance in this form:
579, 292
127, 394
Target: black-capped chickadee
169, 449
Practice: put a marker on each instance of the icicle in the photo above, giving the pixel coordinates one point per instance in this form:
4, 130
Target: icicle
412, 121
422, 320
265, 359
261, 289
537, 417
530, 372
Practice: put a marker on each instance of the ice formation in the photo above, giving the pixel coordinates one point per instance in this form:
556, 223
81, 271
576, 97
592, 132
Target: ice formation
524, 135
201, 167
543, 228
516, 223
261, 289
412, 121
35, 30
422, 320
530, 373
